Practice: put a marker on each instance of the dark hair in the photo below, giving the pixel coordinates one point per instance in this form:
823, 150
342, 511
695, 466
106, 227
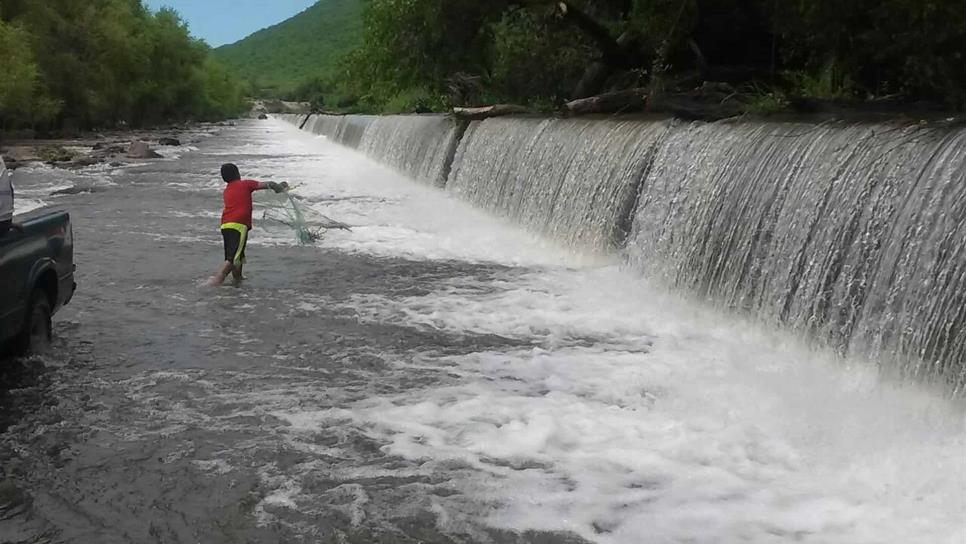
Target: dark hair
229, 173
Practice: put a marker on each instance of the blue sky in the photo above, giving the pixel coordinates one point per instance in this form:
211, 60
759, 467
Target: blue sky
226, 21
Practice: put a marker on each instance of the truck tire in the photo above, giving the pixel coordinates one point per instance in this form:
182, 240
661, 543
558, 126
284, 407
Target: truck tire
36, 335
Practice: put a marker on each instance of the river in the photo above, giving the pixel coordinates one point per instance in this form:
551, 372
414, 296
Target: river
435, 375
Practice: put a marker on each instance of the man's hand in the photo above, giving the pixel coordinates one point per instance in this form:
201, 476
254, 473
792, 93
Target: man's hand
278, 187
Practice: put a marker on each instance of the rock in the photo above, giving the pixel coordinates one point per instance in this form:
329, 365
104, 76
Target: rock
116, 164
53, 154
85, 161
111, 147
11, 496
262, 116
141, 150
169, 141
76, 190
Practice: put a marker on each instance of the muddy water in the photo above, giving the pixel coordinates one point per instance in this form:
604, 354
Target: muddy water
435, 375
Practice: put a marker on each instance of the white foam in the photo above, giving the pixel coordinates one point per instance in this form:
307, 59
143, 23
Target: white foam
24, 205
393, 216
641, 415
617, 411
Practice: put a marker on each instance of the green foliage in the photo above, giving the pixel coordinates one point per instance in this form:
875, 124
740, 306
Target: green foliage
536, 59
278, 60
107, 62
914, 48
54, 153
19, 79
414, 100
828, 83
417, 44
763, 102
223, 97
532, 53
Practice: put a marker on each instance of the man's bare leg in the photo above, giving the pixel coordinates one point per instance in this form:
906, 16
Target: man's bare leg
236, 274
221, 274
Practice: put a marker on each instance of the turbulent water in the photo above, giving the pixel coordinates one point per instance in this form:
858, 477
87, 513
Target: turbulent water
855, 234
438, 374
345, 129
852, 234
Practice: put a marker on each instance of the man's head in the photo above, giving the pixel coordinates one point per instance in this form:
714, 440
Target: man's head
229, 173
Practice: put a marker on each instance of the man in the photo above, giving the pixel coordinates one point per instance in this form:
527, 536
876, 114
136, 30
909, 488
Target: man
236, 220
6, 198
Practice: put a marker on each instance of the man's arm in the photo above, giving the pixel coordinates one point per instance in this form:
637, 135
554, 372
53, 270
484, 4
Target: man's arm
277, 187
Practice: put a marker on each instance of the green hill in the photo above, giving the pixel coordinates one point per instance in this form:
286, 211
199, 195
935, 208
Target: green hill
277, 59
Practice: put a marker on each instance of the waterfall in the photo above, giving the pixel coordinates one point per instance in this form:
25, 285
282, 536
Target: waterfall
852, 234
573, 180
419, 146
347, 130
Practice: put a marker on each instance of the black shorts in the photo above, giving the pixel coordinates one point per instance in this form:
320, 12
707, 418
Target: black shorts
236, 237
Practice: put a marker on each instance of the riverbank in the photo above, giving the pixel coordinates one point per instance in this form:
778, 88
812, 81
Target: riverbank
115, 148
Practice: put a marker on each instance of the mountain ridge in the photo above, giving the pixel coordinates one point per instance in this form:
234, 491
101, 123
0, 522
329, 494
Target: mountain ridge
277, 59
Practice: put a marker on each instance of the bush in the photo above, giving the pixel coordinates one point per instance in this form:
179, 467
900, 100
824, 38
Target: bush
534, 57
415, 100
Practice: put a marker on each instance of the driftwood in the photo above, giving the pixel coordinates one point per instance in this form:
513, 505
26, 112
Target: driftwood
695, 106
485, 112
629, 100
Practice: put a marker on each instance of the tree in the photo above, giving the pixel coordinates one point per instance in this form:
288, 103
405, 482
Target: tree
105, 62
20, 74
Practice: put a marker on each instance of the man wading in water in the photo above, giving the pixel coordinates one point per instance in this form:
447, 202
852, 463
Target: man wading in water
236, 220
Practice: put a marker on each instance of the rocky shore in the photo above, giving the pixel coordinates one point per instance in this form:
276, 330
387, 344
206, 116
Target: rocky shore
112, 147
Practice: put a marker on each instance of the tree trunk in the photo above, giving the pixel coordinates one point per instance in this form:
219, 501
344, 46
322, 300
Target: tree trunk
593, 80
629, 100
485, 112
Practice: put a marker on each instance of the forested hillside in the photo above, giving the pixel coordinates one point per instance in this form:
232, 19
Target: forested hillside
765, 55
278, 60
71, 64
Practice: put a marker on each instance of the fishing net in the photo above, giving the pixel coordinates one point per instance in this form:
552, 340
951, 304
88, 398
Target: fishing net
309, 225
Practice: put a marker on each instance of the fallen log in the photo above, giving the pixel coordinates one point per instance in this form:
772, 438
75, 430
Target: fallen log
485, 112
629, 100
696, 106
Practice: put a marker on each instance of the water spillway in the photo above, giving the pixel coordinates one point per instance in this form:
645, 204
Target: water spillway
342, 129
853, 234
419, 146
573, 180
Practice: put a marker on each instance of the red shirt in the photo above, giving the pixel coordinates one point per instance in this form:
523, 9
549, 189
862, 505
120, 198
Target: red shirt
238, 202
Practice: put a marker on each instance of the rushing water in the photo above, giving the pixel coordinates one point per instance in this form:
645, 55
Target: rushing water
622, 413
419, 146
852, 234
342, 129
438, 374
573, 180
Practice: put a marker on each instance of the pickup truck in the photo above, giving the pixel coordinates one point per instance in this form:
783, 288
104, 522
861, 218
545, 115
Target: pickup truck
36, 275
